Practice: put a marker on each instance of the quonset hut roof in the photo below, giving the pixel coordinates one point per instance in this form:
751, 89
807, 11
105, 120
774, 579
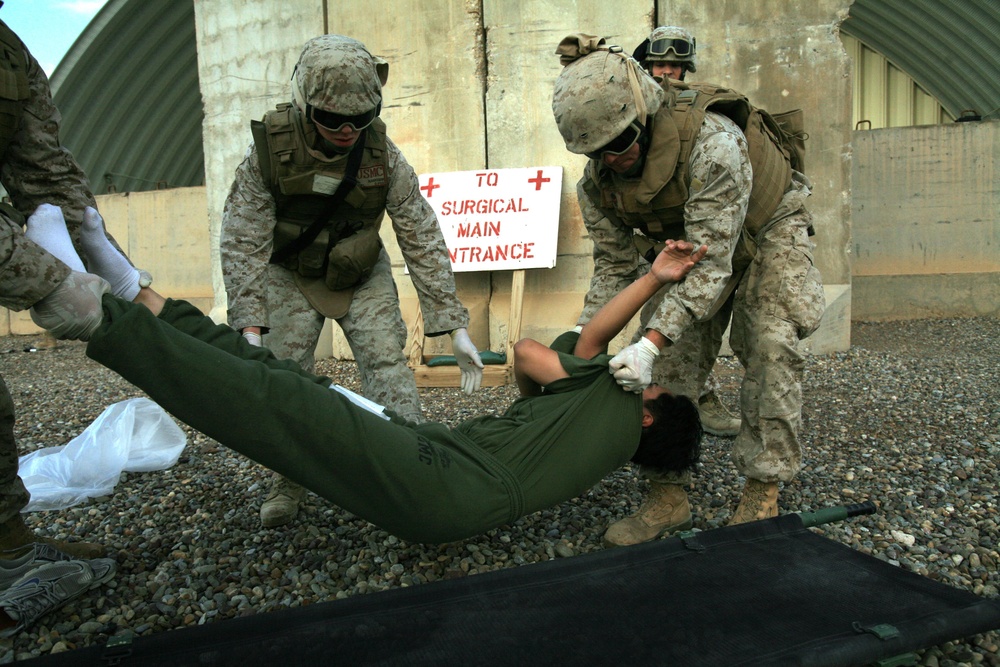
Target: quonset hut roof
950, 48
128, 93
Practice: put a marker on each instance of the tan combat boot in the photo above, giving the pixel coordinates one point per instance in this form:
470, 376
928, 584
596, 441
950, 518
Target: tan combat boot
759, 501
282, 502
665, 510
716, 417
15, 538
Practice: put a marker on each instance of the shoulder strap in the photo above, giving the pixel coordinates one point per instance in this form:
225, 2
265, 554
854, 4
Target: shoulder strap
303, 240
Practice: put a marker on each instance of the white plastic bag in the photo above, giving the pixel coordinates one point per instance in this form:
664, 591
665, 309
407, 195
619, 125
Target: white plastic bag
135, 435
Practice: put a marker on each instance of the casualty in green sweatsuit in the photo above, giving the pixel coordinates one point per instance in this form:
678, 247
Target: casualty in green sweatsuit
422, 482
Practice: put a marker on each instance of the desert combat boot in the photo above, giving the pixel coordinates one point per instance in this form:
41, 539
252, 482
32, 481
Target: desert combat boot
665, 510
759, 501
282, 502
716, 417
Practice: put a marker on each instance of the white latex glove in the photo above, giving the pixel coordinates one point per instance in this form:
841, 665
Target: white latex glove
253, 338
73, 309
468, 360
633, 366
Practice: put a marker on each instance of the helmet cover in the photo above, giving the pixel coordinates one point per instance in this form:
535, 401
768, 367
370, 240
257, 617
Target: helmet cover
594, 100
339, 75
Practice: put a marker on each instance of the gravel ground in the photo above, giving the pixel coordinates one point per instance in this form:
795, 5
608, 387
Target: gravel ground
908, 418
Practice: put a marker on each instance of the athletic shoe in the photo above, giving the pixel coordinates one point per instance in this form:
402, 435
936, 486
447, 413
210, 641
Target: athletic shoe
12, 569
50, 586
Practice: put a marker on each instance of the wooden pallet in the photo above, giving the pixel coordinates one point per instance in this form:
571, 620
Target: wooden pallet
494, 375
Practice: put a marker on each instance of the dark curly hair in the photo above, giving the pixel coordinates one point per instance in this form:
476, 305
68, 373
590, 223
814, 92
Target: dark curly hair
673, 441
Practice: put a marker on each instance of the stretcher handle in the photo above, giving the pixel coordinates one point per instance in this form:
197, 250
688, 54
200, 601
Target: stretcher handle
830, 514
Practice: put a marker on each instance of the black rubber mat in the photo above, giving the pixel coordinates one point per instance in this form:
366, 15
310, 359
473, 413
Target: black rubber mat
765, 593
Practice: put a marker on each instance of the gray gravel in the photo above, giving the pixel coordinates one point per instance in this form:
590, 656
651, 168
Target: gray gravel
909, 418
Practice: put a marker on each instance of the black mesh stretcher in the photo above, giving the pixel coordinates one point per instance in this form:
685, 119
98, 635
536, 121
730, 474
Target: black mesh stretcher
765, 593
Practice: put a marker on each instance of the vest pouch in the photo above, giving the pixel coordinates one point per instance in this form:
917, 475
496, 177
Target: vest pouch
351, 261
11, 96
647, 247
12, 86
310, 262
313, 257
794, 135
10, 117
771, 173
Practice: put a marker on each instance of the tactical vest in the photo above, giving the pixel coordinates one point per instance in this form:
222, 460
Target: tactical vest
655, 202
302, 185
13, 86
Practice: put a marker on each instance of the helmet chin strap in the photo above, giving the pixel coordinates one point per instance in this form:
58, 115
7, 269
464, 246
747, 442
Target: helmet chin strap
640, 101
296, 93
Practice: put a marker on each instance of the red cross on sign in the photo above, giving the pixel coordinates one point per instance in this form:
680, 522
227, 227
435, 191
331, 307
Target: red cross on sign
538, 180
430, 187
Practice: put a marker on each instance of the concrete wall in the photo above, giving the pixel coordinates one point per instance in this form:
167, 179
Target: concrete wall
926, 234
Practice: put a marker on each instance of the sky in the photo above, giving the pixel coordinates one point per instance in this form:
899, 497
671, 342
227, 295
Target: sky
49, 27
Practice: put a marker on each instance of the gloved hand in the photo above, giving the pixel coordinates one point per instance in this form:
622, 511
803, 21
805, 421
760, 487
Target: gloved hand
633, 366
73, 309
468, 360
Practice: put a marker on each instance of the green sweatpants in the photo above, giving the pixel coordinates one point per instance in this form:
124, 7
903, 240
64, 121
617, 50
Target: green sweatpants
423, 483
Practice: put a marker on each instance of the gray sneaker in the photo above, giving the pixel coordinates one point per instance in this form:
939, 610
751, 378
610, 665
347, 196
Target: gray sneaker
12, 569
50, 586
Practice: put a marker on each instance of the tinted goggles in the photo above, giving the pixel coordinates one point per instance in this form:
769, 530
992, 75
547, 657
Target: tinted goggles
680, 47
335, 121
619, 144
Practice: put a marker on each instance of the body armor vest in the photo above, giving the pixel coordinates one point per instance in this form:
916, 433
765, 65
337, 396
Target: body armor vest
347, 248
655, 203
13, 86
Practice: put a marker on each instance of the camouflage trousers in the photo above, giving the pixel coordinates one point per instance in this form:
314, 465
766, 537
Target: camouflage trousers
373, 327
13, 495
779, 301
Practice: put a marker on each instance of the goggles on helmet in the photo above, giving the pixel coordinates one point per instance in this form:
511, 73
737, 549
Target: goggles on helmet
335, 121
619, 144
680, 47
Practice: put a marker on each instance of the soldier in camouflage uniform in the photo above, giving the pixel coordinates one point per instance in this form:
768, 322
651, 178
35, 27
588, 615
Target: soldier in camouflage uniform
282, 286
669, 53
650, 178
35, 169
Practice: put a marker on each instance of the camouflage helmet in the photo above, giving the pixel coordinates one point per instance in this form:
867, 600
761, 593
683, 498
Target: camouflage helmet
339, 75
664, 46
598, 95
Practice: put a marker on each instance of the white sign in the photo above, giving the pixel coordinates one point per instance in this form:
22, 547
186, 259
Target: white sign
497, 219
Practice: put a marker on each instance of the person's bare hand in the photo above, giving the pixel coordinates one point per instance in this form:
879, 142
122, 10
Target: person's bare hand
675, 260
